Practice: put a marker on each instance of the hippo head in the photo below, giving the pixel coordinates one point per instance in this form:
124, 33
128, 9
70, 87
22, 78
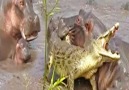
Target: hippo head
30, 25
21, 20
22, 54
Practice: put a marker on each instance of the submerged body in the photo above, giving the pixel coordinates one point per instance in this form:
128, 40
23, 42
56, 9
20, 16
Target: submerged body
19, 51
74, 62
7, 45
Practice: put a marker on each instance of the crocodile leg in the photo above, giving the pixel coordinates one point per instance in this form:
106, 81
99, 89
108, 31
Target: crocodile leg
93, 83
70, 82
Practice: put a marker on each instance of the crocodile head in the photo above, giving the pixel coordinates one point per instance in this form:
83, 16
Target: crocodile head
103, 40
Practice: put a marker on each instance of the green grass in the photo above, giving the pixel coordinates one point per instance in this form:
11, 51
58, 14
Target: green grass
48, 13
56, 84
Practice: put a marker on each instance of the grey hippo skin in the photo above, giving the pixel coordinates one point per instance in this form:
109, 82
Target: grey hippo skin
22, 53
18, 19
72, 25
9, 47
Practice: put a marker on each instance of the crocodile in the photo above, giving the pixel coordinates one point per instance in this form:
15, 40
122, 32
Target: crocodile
73, 61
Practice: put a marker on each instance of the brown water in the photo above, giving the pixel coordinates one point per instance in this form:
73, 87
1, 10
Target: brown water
27, 76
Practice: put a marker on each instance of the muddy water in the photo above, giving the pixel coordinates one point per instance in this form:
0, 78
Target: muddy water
27, 76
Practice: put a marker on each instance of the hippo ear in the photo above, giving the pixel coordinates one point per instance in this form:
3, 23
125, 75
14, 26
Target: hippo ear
79, 20
81, 12
89, 26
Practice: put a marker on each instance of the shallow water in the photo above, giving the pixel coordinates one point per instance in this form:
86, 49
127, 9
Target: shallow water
13, 77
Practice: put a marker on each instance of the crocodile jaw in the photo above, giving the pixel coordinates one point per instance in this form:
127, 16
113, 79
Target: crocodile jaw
110, 55
104, 39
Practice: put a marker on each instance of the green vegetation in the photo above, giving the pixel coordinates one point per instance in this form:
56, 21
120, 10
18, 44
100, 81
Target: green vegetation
47, 17
57, 83
48, 13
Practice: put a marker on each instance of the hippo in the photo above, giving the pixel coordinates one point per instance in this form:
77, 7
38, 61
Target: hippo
10, 48
18, 19
22, 53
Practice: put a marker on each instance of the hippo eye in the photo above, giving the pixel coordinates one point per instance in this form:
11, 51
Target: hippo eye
31, 1
78, 21
21, 45
21, 3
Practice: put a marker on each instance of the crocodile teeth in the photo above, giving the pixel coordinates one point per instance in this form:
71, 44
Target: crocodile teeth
109, 51
117, 25
103, 41
116, 52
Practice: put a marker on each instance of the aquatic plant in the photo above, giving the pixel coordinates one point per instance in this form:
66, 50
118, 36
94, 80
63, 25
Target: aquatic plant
48, 13
56, 84
47, 17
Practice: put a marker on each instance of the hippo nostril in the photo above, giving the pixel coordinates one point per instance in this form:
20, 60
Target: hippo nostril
26, 53
36, 19
30, 19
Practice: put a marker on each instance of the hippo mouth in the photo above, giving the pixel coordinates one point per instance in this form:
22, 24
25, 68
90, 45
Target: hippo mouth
30, 36
26, 55
104, 39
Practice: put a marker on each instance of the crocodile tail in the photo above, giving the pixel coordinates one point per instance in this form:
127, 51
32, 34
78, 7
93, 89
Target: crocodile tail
106, 75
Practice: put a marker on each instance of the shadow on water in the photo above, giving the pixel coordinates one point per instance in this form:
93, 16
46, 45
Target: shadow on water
82, 84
